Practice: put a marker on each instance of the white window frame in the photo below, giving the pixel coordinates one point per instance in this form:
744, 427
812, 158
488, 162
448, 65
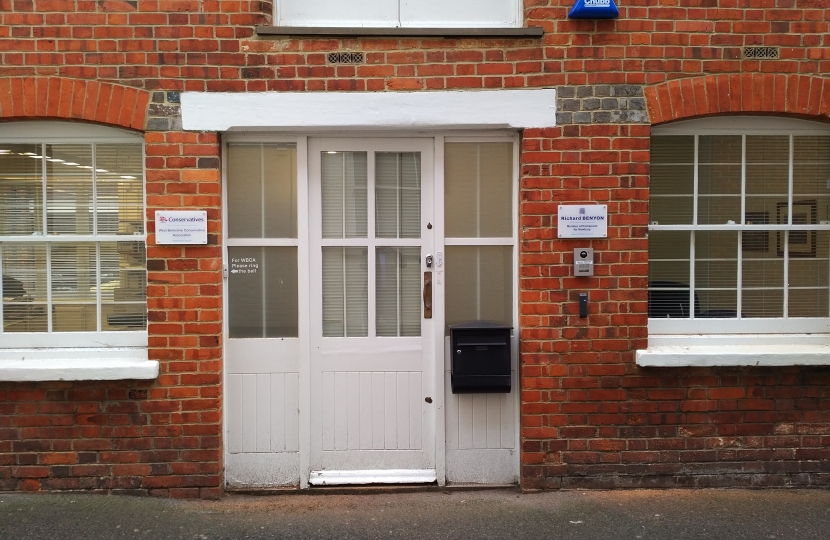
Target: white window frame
102, 355
739, 341
283, 16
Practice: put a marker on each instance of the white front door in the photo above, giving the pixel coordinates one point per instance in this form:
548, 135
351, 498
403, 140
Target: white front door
372, 361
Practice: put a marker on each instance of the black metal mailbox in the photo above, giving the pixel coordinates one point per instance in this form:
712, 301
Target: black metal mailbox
480, 357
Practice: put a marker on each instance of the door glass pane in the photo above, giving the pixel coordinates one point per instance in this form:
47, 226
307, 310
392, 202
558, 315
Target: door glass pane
262, 191
120, 190
479, 284
24, 287
69, 189
397, 195
74, 284
262, 292
398, 287
123, 286
344, 194
345, 292
21, 189
478, 190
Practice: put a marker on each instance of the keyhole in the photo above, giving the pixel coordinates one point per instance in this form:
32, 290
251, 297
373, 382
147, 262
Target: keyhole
429, 225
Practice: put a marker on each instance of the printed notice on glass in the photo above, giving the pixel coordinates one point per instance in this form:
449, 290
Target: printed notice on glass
244, 265
583, 221
181, 227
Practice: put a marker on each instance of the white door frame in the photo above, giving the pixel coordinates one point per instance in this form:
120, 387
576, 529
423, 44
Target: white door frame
260, 468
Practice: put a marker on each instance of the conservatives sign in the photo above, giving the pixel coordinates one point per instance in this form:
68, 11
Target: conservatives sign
181, 227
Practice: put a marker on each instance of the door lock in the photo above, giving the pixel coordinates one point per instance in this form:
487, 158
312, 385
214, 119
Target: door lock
429, 261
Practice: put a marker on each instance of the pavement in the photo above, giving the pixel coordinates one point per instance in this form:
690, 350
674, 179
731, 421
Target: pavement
437, 514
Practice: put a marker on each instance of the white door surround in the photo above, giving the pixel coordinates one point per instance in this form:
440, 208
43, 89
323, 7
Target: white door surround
283, 382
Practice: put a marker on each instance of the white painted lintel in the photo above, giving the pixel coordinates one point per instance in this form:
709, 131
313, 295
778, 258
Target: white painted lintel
292, 111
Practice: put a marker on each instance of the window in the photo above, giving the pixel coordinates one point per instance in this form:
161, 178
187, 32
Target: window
739, 233
262, 240
72, 237
479, 230
399, 13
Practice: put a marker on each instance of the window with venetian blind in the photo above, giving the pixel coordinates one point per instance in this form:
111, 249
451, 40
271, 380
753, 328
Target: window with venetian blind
72, 240
399, 13
739, 233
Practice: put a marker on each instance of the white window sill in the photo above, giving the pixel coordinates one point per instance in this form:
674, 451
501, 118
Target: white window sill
110, 364
736, 350
448, 32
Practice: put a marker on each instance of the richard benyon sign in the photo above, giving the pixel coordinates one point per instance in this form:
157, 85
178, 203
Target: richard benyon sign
583, 221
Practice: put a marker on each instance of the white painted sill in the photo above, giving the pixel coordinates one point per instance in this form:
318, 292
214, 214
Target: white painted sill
76, 364
736, 350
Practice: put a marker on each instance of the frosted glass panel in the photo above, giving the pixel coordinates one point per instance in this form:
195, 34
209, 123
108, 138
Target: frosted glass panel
262, 292
344, 194
69, 191
262, 191
478, 190
119, 188
345, 292
397, 195
479, 284
398, 286
21, 189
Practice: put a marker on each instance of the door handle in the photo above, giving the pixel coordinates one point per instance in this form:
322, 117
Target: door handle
427, 295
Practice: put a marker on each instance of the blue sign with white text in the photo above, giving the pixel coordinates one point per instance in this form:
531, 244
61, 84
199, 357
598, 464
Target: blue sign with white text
594, 9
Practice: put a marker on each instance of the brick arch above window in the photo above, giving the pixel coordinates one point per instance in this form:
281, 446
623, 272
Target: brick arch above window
745, 93
24, 98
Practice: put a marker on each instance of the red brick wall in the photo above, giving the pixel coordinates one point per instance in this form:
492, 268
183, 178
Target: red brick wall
589, 415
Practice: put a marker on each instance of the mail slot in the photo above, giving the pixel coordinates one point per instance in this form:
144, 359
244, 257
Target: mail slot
480, 357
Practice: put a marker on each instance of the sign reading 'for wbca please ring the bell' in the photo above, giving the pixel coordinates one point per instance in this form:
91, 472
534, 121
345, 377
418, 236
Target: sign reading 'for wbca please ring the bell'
583, 221
181, 227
